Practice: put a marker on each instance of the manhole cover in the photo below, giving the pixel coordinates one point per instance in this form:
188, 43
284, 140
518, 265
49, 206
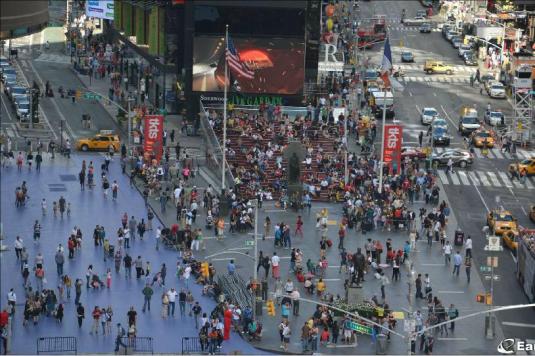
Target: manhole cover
67, 177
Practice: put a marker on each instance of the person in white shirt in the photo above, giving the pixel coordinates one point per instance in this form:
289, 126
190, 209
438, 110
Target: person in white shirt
157, 237
436, 229
468, 246
186, 275
289, 286
295, 295
18, 246
275, 268
176, 195
450, 166
172, 294
12, 300
447, 252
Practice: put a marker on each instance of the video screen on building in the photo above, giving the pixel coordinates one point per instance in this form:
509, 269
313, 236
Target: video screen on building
255, 65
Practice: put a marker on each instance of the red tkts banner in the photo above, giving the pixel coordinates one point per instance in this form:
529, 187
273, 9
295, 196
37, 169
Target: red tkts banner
392, 147
153, 132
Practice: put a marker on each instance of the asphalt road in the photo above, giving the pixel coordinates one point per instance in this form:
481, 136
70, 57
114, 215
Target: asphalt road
470, 201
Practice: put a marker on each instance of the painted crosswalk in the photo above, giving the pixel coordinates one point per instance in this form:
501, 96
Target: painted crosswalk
55, 58
496, 153
418, 67
463, 80
409, 29
484, 179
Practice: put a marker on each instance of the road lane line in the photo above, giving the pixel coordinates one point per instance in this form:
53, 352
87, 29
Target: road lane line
464, 177
474, 178
520, 325
451, 291
483, 179
478, 153
447, 116
506, 179
481, 197
453, 339
528, 183
494, 179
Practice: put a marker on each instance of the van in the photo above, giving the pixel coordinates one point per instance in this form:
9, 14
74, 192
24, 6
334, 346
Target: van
468, 120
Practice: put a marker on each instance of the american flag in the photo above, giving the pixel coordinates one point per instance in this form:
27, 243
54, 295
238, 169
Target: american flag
236, 64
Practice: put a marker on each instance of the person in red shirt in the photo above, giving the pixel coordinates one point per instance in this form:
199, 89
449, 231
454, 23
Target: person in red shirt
96, 318
299, 226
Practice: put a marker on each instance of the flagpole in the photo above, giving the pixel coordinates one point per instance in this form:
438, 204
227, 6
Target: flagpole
223, 163
382, 144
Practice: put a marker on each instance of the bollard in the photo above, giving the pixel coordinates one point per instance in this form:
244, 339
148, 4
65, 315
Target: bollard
380, 344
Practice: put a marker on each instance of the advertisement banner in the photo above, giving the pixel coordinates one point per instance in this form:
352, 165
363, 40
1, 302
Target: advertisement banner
392, 147
153, 132
102, 9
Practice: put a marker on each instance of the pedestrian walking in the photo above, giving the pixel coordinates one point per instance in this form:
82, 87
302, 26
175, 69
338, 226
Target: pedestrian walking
468, 247
80, 314
457, 260
447, 249
147, 293
468, 267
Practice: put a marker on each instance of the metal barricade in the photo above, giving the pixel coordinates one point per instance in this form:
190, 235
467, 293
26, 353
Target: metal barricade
137, 345
56, 345
235, 289
191, 345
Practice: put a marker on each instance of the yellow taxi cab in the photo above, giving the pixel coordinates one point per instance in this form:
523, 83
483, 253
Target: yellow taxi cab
105, 140
510, 240
437, 67
479, 138
527, 164
501, 221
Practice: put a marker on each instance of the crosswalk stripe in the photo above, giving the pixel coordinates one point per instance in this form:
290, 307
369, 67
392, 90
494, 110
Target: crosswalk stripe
497, 153
464, 178
525, 154
478, 153
517, 183
507, 155
494, 179
528, 183
443, 176
483, 179
473, 176
454, 179
506, 179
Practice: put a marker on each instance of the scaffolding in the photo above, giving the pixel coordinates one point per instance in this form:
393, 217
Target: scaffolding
523, 113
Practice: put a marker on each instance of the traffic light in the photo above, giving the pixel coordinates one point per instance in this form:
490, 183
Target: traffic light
78, 94
205, 269
489, 299
271, 308
481, 298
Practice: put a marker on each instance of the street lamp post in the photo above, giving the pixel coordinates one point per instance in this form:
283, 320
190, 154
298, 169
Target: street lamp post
130, 99
255, 271
382, 144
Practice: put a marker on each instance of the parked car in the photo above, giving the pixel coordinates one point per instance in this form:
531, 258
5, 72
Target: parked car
23, 110
470, 58
460, 158
427, 115
463, 49
496, 90
16, 91
425, 28
456, 41
8, 71
494, 118
407, 57
450, 34
10, 82
4, 62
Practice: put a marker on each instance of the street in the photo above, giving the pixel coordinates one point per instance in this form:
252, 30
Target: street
472, 191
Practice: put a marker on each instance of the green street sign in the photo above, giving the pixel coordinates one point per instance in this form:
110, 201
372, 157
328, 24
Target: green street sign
249, 243
91, 96
363, 329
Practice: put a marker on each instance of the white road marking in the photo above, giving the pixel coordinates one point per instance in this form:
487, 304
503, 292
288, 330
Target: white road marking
454, 179
443, 177
453, 339
494, 179
483, 179
447, 116
506, 179
464, 177
478, 153
520, 325
497, 152
451, 291
528, 183
474, 178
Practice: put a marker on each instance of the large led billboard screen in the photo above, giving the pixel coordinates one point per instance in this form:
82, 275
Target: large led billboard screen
261, 65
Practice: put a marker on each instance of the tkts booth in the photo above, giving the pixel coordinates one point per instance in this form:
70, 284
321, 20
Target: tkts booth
392, 148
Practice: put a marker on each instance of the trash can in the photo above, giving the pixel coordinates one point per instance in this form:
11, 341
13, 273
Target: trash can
380, 344
458, 239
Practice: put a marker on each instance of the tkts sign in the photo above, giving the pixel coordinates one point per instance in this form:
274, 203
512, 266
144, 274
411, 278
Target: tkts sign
392, 147
153, 132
